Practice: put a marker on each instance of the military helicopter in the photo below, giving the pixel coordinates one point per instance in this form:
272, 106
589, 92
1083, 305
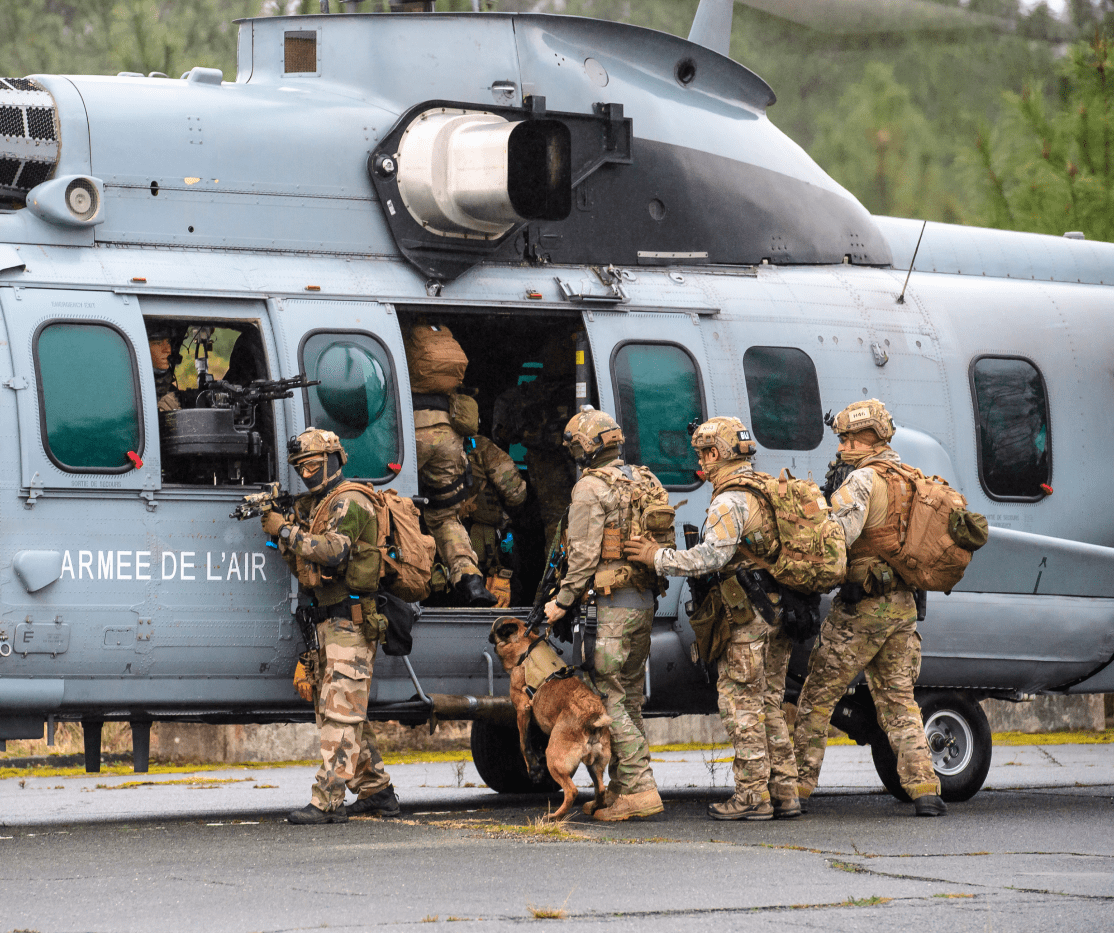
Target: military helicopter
549, 175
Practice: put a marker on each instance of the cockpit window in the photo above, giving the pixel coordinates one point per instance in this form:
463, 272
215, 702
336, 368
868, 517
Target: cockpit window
784, 398
1012, 408
357, 399
657, 393
88, 397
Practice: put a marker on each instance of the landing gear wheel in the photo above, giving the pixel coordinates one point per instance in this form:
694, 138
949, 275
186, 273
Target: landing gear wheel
497, 758
959, 741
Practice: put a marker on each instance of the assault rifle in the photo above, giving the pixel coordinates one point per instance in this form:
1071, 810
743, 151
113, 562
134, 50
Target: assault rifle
556, 565
270, 499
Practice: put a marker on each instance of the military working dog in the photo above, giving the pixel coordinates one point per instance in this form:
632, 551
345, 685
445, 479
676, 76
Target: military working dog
562, 705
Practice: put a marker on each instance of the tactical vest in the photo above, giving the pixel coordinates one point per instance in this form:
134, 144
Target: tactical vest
363, 563
643, 511
541, 664
760, 542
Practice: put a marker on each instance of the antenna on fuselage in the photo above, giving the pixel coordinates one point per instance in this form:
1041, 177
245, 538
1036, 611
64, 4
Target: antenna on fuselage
711, 27
901, 297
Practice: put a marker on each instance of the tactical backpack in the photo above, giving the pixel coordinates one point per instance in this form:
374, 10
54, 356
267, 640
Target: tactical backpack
644, 511
400, 559
434, 359
811, 556
929, 534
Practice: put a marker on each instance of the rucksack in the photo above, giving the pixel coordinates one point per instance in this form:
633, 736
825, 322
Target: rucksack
930, 536
405, 554
811, 556
434, 359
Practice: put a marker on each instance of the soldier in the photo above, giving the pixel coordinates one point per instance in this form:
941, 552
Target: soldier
317, 546
625, 603
497, 489
872, 624
159, 339
750, 707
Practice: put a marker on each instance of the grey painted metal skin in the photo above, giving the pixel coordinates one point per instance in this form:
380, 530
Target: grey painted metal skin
262, 192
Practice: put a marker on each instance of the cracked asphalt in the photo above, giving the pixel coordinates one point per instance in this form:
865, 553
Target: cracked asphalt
1032, 851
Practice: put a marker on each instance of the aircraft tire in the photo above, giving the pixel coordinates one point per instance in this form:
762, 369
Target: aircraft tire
959, 739
497, 758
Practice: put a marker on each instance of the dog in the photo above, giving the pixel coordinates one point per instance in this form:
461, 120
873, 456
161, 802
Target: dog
563, 707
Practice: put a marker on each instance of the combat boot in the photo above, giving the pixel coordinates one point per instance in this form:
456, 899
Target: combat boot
753, 807
930, 805
381, 803
610, 795
310, 815
471, 589
787, 809
642, 803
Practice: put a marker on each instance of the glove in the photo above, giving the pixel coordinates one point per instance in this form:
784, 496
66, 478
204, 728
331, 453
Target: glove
641, 550
302, 683
272, 521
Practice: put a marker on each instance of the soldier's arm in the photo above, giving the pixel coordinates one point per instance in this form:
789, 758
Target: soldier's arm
585, 536
332, 545
850, 503
727, 517
505, 477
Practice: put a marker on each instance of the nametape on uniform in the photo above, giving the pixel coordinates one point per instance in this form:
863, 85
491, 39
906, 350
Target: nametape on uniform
743, 435
860, 414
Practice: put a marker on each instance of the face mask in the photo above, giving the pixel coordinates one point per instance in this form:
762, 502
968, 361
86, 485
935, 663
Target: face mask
858, 456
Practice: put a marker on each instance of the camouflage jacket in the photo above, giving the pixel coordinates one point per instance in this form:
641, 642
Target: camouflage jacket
329, 549
496, 483
534, 415
731, 515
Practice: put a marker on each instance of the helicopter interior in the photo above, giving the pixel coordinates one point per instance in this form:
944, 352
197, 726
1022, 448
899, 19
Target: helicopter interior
209, 433
522, 373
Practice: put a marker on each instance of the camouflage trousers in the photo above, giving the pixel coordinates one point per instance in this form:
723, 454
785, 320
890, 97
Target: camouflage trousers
879, 636
779, 745
349, 756
742, 700
622, 647
440, 460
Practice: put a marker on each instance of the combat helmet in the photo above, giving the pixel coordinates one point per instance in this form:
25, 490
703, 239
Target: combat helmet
589, 433
727, 435
868, 415
315, 443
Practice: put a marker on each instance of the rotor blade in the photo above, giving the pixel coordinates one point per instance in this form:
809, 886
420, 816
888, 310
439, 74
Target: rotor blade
873, 16
711, 27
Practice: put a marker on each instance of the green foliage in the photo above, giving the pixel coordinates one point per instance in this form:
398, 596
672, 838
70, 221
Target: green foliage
1049, 168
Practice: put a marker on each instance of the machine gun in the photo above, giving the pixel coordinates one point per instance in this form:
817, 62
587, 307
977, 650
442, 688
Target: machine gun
243, 399
270, 499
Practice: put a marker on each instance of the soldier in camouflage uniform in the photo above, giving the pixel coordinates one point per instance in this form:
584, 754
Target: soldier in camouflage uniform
497, 489
750, 706
625, 603
159, 339
337, 676
534, 414
872, 624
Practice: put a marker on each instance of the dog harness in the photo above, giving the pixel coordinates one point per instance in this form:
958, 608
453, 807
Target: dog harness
542, 664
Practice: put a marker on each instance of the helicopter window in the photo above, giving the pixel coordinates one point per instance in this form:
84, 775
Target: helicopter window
785, 408
657, 391
357, 399
1012, 407
88, 431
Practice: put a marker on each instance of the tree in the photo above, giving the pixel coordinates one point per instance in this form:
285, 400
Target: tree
1050, 167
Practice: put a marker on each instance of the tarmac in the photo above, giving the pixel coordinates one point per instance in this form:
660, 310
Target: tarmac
255, 791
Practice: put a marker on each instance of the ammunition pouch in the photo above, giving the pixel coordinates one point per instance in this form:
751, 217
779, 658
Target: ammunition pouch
711, 625
800, 615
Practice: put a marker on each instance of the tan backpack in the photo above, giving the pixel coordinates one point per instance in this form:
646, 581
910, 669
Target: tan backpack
811, 554
434, 359
404, 556
930, 536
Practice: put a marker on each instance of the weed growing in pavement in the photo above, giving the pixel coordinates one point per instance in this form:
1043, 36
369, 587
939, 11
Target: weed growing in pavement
458, 767
872, 901
430, 918
551, 913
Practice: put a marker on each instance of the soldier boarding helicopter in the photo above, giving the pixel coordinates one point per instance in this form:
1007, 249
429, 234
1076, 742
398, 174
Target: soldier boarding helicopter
515, 177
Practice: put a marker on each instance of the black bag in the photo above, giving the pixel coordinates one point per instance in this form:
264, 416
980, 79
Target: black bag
400, 616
